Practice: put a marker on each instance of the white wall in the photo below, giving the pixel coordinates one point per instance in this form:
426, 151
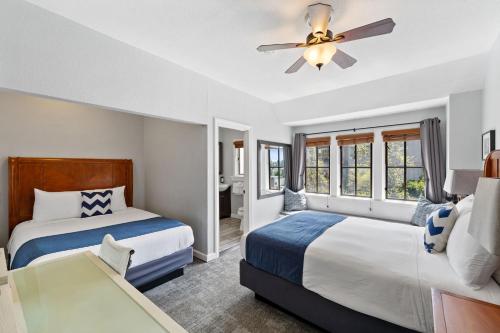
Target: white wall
174, 163
40, 127
46, 54
464, 130
491, 101
377, 207
227, 137
422, 85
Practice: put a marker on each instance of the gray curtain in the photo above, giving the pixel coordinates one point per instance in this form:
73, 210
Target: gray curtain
298, 162
287, 158
433, 159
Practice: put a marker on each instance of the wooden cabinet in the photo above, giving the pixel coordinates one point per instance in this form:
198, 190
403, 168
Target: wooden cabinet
225, 203
459, 314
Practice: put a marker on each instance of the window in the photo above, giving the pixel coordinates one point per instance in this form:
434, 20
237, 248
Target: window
356, 164
239, 158
276, 168
404, 173
318, 165
273, 167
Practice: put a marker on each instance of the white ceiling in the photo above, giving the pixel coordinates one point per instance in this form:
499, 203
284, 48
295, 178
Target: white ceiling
218, 38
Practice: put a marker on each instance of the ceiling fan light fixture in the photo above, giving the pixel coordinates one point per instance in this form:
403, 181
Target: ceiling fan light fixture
320, 54
318, 16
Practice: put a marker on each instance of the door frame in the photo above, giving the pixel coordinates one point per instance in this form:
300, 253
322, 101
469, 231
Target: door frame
248, 196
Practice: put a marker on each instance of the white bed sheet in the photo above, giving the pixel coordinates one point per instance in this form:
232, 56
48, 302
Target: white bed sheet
381, 269
147, 247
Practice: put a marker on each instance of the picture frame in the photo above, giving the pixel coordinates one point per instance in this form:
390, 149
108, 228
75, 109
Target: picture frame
487, 143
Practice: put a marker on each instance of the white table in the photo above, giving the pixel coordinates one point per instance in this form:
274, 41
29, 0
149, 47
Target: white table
80, 293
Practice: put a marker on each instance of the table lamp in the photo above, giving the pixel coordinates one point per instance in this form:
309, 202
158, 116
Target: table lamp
460, 183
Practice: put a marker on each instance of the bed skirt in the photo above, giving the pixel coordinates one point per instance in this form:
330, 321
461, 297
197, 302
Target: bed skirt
310, 306
153, 270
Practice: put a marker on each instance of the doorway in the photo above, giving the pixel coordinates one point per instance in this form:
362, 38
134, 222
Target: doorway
232, 179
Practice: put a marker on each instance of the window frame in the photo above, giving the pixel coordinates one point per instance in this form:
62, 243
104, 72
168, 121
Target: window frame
281, 169
355, 167
404, 167
238, 172
317, 168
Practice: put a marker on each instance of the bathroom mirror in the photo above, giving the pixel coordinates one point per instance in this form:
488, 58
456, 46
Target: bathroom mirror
273, 168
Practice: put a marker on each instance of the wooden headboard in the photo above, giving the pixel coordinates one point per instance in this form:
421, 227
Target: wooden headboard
61, 174
492, 165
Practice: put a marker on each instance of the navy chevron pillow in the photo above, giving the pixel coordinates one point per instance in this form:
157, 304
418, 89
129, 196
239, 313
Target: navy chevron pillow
96, 203
438, 228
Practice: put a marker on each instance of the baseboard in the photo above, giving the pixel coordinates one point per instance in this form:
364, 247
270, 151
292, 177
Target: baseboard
236, 216
205, 257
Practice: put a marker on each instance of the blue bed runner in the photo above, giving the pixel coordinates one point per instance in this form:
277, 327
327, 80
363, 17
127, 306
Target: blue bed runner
38, 247
279, 248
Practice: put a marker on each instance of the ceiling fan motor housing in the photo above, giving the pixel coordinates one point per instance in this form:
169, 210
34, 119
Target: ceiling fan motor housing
318, 17
312, 39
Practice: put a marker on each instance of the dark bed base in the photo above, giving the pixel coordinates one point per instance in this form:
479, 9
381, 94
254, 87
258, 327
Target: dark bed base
310, 306
156, 272
155, 283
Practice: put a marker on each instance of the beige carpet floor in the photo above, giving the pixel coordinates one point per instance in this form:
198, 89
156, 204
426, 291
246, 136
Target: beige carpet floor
209, 298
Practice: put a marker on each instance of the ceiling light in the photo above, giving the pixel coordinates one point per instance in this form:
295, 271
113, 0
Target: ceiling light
320, 54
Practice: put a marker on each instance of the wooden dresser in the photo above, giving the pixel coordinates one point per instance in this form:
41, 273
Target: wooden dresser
459, 314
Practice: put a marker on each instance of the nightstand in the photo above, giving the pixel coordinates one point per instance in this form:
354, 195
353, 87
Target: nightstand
457, 314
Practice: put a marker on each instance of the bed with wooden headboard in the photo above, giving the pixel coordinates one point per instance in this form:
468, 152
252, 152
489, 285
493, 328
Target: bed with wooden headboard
62, 174
329, 297
160, 250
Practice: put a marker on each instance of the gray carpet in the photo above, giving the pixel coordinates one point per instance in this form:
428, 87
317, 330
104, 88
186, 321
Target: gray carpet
209, 298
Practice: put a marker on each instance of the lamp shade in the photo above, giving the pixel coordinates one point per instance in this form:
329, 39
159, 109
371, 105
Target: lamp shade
485, 217
320, 54
461, 181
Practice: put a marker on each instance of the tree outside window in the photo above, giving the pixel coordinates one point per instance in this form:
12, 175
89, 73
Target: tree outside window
356, 164
318, 168
404, 172
356, 170
276, 168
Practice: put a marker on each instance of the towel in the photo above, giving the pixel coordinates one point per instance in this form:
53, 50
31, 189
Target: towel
238, 188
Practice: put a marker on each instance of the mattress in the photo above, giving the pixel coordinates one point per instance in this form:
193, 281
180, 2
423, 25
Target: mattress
381, 269
147, 247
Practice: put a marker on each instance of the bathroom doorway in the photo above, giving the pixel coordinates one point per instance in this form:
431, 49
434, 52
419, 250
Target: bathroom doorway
232, 197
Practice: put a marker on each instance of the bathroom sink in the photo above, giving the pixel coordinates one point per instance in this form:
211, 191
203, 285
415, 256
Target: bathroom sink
223, 187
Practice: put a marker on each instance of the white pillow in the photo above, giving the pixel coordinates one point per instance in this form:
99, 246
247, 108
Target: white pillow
56, 205
465, 205
118, 199
438, 228
470, 261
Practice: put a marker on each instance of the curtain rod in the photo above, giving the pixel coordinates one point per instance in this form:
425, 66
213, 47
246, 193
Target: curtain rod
363, 128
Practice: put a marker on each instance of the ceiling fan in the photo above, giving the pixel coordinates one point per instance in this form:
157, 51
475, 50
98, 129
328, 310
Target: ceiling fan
320, 43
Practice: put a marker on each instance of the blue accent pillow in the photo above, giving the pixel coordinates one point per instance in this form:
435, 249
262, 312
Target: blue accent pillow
295, 200
438, 228
424, 208
96, 203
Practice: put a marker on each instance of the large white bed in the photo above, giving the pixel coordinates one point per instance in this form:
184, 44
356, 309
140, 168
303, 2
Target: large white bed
382, 269
147, 247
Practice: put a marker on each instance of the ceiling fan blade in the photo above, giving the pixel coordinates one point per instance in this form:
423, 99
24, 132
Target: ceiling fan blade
273, 47
296, 65
382, 27
343, 59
